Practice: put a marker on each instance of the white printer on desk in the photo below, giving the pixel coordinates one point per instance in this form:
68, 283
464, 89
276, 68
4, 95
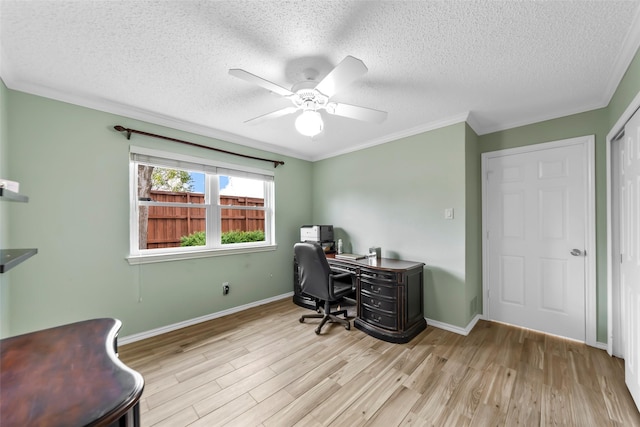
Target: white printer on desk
316, 233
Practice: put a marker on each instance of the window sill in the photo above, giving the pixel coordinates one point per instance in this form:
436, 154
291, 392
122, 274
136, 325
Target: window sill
176, 256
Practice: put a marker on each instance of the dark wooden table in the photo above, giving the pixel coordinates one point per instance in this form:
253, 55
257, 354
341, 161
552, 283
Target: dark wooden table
68, 376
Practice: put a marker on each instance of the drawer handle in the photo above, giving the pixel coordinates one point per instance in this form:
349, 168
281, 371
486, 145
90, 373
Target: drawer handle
375, 303
375, 290
375, 319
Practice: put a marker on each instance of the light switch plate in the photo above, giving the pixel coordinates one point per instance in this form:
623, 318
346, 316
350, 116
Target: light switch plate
448, 213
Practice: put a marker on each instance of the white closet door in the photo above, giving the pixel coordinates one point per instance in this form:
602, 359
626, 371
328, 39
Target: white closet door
630, 251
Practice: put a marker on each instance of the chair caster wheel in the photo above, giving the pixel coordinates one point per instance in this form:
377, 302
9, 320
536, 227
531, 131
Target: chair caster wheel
317, 330
347, 327
301, 320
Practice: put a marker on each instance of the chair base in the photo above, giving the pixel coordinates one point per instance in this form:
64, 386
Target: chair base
331, 317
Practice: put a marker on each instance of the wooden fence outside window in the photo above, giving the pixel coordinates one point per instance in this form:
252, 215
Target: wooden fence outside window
167, 224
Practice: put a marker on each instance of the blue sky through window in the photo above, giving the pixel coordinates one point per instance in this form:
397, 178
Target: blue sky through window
231, 186
198, 182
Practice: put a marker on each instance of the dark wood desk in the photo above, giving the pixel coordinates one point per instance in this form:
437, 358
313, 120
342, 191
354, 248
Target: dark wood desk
389, 294
68, 376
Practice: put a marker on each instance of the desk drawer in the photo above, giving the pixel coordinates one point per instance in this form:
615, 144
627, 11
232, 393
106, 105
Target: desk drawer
375, 288
378, 276
378, 303
382, 320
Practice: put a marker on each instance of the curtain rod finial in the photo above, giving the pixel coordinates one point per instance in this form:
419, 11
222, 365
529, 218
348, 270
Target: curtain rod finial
123, 129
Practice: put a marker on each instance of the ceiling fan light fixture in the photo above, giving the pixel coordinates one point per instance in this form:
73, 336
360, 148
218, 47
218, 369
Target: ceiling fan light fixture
311, 96
309, 123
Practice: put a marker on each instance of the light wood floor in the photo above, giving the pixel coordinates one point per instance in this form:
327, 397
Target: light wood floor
263, 367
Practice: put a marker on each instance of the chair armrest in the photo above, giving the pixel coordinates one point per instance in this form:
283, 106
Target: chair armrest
335, 276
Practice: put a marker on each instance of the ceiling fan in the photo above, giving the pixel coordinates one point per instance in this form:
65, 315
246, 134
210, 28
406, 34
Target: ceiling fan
310, 97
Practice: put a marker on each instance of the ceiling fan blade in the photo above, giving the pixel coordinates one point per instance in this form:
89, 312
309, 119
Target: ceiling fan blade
355, 112
252, 78
272, 115
342, 75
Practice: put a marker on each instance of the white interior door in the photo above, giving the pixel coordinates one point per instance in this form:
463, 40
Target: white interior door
536, 208
630, 253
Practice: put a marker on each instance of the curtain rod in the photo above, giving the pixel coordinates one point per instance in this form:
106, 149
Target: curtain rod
130, 131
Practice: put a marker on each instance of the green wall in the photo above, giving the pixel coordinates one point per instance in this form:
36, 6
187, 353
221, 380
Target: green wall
473, 225
394, 196
74, 168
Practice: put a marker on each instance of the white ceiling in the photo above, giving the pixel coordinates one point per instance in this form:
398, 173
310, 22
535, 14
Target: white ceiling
496, 64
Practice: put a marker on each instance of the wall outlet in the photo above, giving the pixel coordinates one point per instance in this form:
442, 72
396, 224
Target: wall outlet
225, 288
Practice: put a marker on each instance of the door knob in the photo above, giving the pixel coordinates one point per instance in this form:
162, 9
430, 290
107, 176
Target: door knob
577, 252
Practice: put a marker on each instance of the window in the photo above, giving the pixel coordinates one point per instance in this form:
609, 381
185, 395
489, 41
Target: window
186, 207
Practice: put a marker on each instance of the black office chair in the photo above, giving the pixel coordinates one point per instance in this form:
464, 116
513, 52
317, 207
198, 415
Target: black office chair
319, 282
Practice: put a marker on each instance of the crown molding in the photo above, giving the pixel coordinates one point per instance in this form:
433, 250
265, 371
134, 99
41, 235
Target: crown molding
128, 112
483, 130
474, 123
630, 46
399, 135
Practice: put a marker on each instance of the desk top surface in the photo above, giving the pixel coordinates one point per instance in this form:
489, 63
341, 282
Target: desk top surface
386, 264
66, 376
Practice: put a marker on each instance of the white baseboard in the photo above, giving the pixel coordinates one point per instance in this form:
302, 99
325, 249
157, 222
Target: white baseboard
169, 328
164, 329
455, 329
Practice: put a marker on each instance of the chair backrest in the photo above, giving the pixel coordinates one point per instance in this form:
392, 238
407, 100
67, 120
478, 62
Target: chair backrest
313, 269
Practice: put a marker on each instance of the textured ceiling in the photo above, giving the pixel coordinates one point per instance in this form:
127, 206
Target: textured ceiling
497, 64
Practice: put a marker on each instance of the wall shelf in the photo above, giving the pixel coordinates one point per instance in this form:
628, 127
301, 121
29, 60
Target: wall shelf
9, 258
12, 197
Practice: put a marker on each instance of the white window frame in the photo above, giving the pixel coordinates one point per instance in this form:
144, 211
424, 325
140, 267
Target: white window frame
212, 169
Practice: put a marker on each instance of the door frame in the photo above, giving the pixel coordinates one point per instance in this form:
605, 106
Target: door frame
613, 307
590, 223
